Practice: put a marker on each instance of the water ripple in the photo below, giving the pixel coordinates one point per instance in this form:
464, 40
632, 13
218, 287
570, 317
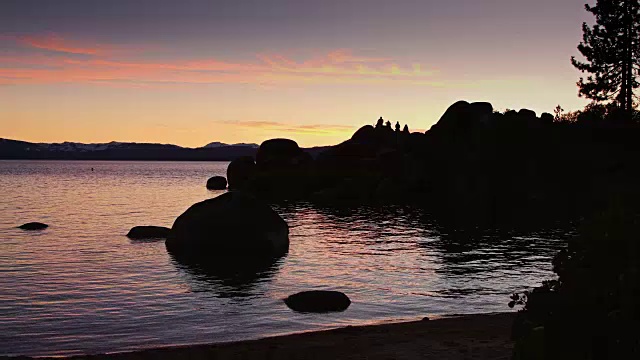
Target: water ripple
81, 286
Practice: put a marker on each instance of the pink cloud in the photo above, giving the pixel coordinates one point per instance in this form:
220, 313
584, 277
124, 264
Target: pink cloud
54, 42
108, 64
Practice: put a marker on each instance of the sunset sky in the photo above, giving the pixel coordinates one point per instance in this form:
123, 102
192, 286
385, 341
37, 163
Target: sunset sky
191, 72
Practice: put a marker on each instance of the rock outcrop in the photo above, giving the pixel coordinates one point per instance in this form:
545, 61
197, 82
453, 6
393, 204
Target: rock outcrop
461, 118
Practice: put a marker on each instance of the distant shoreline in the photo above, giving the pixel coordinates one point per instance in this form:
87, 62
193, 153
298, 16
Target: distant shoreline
115, 151
477, 336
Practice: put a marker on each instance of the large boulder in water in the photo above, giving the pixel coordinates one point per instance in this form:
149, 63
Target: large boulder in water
33, 226
232, 224
148, 232
240, 171
217, 183
280, 153
318, 301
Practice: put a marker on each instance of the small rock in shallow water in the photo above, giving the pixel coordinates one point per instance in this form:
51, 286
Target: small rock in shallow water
33, 226
425, 319
318, 301
148, 232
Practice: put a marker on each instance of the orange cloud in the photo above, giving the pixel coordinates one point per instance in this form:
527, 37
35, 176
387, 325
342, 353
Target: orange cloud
104, 66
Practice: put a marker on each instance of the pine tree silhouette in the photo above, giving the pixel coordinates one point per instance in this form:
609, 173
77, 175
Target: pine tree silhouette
611, 51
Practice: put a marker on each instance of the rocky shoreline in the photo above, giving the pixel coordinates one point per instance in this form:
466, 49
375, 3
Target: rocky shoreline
475, 164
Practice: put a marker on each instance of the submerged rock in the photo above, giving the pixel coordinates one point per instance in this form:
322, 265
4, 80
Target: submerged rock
217, 183
33, 226
233, 223
318, 301
148, 232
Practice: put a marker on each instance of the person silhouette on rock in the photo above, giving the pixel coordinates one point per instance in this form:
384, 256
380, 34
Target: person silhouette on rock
397, 126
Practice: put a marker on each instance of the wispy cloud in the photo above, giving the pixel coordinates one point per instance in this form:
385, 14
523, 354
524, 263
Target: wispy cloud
315, 129
59, 63
54, 42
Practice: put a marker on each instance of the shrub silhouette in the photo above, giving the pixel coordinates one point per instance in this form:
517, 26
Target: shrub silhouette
592, 310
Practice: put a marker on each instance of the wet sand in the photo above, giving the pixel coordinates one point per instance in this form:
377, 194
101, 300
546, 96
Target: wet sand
465, 337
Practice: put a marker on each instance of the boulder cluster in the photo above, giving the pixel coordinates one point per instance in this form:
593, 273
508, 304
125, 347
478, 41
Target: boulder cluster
474, 161
378, 163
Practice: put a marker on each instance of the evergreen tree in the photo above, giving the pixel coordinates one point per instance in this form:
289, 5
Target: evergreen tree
612, 52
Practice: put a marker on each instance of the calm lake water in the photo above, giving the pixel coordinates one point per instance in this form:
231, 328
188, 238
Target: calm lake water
81, 286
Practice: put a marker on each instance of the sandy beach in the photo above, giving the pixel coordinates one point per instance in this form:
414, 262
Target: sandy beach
484, 336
